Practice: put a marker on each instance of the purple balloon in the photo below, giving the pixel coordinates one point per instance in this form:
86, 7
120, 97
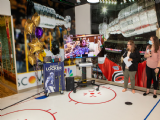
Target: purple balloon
38, 32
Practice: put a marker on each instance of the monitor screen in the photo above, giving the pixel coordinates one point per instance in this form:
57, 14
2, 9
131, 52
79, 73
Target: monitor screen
82, 46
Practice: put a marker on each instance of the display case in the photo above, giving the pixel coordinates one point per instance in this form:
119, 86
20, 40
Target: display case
96, 71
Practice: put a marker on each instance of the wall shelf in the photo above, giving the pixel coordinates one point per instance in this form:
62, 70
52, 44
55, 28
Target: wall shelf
125, 42
119, 51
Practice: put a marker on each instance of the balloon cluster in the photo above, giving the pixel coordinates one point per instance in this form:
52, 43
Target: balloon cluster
36, 47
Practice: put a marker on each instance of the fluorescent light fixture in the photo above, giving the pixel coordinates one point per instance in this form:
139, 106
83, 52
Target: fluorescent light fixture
93, 1
104, 9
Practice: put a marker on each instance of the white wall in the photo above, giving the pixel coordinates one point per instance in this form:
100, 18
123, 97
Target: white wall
83, 19
5, 8
83, 26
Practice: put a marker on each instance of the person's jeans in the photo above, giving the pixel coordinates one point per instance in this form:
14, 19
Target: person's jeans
19, 66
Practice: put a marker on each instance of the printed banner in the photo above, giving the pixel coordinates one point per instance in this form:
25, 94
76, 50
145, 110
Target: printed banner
27, 80
113, 72
54, 77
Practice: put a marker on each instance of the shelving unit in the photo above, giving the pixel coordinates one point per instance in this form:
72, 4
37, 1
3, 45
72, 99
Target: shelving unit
125, 42
96, 71
119, 51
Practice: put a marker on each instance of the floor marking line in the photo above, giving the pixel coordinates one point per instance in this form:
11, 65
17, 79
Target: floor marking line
76, 102
152, 110
31, 109
21, 101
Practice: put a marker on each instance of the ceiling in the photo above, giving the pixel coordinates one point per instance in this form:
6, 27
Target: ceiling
117, 5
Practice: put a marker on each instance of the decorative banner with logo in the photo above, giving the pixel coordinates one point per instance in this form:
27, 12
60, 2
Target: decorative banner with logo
27, 80
54, 77
70, 71
114, 73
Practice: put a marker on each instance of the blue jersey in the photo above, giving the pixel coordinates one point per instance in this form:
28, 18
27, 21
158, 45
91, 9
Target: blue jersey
50, 81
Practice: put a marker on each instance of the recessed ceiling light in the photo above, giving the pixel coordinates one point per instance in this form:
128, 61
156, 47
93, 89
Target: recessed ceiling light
93, 1
104, 9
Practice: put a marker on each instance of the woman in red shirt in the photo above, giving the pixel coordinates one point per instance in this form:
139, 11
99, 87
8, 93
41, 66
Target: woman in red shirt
153, 63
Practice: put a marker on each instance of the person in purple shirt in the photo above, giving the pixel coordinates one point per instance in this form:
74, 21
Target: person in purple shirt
82, 49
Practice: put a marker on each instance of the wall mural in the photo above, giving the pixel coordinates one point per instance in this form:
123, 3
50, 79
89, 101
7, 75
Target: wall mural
7, 58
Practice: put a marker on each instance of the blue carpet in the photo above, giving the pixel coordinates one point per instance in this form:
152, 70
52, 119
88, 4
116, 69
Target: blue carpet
41, 97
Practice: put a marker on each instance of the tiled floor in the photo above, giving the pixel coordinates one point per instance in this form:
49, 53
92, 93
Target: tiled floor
86, 104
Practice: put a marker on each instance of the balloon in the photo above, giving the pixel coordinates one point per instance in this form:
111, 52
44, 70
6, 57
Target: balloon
23, 22
36, 19
41, 56
38, 32
32, 59
36, 46
28, 26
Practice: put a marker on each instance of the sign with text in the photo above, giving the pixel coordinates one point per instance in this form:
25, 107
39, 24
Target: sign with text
31, 79
53, 77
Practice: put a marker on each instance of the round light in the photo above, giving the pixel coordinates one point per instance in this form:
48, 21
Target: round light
93, 1
104, 9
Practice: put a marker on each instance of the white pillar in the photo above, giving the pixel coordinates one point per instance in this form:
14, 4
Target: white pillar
5, 7
83, 26
83, 19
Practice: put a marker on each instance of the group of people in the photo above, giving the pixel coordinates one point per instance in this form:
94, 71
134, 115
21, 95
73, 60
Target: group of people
81, 46
152, 54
